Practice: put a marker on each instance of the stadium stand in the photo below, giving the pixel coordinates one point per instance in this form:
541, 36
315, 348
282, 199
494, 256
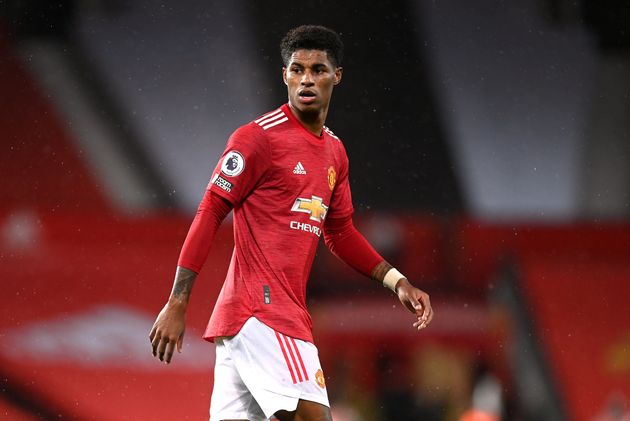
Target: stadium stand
41, 167
75, 309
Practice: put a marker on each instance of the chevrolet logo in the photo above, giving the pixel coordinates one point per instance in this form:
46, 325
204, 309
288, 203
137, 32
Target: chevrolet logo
312, 206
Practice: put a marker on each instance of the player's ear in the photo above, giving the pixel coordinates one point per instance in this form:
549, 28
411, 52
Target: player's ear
284, 75
338, 74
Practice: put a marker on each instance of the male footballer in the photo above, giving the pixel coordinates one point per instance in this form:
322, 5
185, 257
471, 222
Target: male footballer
285, 176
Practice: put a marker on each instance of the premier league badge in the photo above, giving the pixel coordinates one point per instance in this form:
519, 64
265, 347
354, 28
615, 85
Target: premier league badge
233, 164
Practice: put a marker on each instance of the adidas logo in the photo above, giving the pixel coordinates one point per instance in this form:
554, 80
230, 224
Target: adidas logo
299, 169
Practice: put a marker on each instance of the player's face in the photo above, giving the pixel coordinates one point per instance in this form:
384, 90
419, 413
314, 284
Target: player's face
310, 77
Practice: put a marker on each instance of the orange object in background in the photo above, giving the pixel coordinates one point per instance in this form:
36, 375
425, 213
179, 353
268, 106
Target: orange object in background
476, 415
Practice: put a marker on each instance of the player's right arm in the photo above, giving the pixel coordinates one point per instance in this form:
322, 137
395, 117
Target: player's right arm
168, 330
243, 164
169, 327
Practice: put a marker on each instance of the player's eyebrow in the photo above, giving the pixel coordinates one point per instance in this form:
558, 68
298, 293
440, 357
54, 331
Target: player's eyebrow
319, 65
313, 66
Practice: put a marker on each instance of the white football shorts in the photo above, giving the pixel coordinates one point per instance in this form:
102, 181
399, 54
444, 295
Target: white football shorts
260, 371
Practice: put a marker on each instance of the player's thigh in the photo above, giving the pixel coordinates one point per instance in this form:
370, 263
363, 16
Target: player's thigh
306, 411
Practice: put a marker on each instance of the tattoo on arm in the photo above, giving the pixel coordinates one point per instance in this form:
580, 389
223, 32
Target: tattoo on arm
182, 286
379, 271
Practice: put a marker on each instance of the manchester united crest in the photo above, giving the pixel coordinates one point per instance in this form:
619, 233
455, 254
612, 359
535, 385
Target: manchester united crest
319, 378
332, 178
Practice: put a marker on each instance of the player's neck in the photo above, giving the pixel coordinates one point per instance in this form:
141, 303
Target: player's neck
313, 122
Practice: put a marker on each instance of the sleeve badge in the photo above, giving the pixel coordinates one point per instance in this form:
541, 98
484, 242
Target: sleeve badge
233, 164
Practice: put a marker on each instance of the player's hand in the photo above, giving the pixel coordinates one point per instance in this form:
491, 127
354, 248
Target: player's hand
416, 301
168, 332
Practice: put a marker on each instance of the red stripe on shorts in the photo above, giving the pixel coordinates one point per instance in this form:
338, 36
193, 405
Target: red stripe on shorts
284, 352
286, 341
297, 351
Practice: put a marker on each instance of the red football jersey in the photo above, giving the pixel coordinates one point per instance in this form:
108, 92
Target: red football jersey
283, 182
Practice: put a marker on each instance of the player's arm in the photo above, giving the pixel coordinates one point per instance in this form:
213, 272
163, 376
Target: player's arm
416, 300
169, 327
343, 239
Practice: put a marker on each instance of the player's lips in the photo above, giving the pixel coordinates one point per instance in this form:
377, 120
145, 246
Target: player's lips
307, 96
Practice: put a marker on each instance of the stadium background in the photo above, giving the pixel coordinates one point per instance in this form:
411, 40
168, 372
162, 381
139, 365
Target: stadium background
490, 161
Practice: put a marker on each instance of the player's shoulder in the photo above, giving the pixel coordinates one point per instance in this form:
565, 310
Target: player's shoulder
335, 140
261, 124
330, 133
275, 119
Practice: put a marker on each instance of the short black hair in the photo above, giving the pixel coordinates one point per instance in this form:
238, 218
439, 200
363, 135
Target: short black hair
312, 37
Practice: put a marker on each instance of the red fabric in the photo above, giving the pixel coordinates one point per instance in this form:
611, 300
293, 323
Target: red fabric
283, 181
297, 351
286, 358
211, 212
343, 239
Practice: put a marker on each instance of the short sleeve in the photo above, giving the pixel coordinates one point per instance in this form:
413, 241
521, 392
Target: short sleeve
242, 166
341, 202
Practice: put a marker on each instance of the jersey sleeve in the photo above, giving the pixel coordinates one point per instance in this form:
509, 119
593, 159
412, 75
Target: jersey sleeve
341, 202
242, 166
211, 212
345, 242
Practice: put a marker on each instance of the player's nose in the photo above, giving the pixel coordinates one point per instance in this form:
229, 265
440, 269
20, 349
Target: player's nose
307, 79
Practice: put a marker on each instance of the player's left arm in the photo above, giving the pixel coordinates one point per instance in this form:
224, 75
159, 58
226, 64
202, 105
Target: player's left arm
343, 239
347, 243
416, 300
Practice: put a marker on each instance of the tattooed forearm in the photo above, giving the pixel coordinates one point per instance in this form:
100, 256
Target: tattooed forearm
379, 271
182, 286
